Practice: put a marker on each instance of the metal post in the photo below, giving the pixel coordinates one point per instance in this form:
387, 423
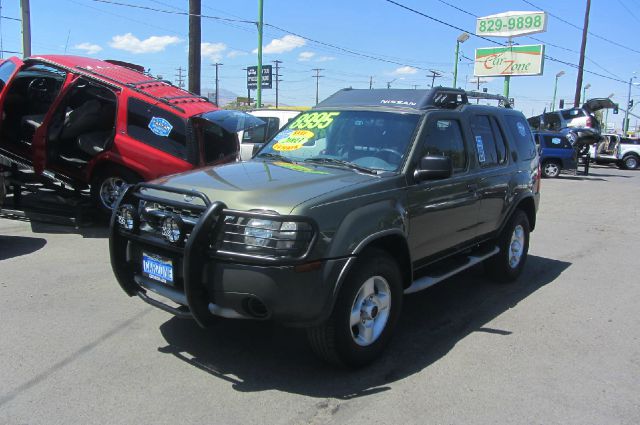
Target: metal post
507, 79
583, 47
317, 77
26, 28
370, 82
217, 64
277, 62
259, 89
625, 127
455, 66
195, 40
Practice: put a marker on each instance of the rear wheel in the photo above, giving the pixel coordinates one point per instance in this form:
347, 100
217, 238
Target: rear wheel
630, 162
551, 169
364, 315
507, 264
107, 186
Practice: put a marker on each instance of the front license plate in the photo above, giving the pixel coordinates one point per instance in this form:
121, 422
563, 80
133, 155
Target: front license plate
157, 268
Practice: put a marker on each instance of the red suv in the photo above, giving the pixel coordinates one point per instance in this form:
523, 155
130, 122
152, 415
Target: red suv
104, 124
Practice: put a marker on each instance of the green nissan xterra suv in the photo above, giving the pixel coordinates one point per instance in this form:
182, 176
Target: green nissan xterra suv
369, 196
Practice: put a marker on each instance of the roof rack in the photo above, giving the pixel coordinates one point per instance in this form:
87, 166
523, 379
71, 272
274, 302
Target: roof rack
502, 101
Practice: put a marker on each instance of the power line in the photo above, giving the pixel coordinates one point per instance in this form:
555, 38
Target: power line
173, 12
628, 10
496, 42
615, 43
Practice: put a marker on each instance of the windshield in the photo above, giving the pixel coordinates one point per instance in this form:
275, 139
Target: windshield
372, 140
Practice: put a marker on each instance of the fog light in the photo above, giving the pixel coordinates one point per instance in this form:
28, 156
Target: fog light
172, 229
127, 217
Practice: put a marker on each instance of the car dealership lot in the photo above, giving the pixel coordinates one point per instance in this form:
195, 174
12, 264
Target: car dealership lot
562, 345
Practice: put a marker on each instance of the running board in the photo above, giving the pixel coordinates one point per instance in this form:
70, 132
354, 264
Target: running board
427, 281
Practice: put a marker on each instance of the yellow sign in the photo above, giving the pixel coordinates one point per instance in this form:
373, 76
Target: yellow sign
293, 141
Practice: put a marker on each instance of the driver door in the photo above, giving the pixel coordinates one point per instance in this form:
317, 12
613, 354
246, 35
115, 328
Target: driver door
39, 145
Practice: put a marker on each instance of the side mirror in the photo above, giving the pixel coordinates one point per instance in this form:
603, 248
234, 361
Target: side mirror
433, 168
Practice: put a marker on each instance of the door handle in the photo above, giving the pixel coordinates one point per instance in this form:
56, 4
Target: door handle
472, 187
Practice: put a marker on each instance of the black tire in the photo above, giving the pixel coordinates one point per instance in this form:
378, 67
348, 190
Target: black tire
630, 162
102, 178
499, 267
551, 169
335, 340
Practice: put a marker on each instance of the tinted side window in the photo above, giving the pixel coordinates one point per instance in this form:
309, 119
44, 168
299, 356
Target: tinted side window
263, 133
556, 142
6, 69
157, 127
501, 148
444, 138
519, 131
484, 140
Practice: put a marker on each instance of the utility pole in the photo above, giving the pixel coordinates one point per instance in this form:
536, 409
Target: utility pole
217, 64
317, 77
26, 28
195, 41
259, 90
434, 75
583, 47
415, 86
180, 77
277, 62
370, 82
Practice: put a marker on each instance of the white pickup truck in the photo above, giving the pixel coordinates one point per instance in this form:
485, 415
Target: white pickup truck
613, 148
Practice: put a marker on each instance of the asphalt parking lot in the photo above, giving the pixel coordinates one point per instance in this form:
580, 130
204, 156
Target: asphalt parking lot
562, 345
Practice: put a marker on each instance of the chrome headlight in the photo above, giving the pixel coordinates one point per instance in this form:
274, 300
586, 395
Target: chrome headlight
173, 229
258, 233
127, 217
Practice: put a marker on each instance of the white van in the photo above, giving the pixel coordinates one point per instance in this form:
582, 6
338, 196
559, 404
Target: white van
251, 140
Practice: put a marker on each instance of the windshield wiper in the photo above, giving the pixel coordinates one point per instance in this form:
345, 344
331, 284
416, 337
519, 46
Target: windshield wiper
275, 156
341, 162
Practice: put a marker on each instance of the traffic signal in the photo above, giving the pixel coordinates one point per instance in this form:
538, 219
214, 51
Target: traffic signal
561, 105
630, 103
615, 109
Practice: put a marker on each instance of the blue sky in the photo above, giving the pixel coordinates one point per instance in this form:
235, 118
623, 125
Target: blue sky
371, 27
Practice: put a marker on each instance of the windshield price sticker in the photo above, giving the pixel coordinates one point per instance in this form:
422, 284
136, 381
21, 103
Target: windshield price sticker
293, 140
314, 120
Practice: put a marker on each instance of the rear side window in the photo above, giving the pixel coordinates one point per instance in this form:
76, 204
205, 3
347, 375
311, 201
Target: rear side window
156, 127
521, 134
556, 142
444, 138
568, 114
263, 133
485, 141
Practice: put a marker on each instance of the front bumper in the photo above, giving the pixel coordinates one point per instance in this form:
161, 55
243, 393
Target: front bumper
207, 284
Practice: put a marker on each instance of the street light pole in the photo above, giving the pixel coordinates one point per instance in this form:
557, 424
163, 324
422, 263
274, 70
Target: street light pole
555, 90
461, 39
259, 89
625, 126
584, 92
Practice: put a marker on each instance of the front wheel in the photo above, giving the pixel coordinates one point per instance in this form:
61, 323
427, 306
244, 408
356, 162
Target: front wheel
513, 243
107, 186
364, 315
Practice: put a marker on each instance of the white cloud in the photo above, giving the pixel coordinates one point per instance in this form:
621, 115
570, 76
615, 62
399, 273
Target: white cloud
130, 43
405, 70
213, 51
305, 56
282, 45
325, 59
89, 48
235, 53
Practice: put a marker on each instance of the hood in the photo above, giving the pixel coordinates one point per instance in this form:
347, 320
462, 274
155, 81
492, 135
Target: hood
277, 186
599, 103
